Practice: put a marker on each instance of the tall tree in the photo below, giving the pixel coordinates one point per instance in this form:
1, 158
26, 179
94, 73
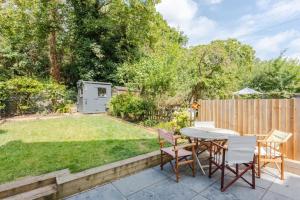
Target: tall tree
218, 69
54, 63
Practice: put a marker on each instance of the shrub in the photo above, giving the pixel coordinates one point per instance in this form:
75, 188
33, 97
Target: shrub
3, 96
131, 107
165, 125
22, 95
180, 120
55, 95
150, 122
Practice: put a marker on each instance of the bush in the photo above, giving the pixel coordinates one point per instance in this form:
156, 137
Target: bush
150, 122
180, 120
23, 95
3, 96
131, 107
55, 94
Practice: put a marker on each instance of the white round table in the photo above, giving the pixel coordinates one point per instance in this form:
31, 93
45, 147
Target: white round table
202, 134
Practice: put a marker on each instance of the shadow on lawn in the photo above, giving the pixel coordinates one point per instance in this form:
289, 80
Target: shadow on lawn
3, 131
20, 159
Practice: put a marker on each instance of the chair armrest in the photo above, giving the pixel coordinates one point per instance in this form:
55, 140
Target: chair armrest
265, 141
254, 134
257, 135
216, 144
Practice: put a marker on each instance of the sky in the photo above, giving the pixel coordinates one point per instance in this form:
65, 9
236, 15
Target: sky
269, 26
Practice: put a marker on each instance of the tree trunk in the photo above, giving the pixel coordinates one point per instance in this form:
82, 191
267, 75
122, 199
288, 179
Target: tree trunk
54, 63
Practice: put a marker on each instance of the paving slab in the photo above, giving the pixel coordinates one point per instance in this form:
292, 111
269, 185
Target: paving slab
154, 184
166, 190
198, 183
105, 192
214, 193
199, 197
289, 187
275, 196
136, 182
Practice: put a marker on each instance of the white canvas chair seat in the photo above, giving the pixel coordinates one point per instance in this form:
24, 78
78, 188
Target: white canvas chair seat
266, 151
181, 152
239, 151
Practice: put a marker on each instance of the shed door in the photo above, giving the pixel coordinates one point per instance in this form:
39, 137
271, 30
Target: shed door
97, 99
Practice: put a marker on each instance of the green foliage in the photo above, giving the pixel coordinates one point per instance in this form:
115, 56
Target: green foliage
179, 121
110, 33
131, 107
165, 125
91, 38
276, 78
150, 122
23, 95
24, 29
126, 43
152, 76
219, 68
56, 95
3, 96
64, 107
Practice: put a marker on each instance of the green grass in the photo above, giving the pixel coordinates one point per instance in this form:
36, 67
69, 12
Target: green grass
40, 146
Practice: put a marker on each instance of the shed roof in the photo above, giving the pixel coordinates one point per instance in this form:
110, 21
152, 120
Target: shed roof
93, 82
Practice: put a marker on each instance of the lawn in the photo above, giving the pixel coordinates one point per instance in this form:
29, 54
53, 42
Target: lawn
78, 142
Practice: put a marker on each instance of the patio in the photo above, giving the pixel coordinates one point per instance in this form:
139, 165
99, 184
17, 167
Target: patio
156, 184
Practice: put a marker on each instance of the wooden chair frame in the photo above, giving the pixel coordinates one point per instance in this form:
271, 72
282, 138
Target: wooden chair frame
217, 158
179, 160
273, 147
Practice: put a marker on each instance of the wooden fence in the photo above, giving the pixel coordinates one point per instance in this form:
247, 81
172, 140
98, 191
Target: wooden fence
256, 116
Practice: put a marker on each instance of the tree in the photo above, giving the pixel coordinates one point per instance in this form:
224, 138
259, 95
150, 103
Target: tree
279, 77
218, 69
30, 31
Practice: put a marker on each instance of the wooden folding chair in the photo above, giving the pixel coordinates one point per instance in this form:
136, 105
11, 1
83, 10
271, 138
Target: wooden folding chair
271, 149
176, 152
239, 151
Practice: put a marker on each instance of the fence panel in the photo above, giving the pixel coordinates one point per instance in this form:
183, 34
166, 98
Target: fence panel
257, 116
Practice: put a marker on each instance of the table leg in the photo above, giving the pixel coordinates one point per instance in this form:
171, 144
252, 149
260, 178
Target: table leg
201, 168
197, 158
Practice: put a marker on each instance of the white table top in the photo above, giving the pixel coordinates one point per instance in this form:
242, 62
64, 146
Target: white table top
208, 133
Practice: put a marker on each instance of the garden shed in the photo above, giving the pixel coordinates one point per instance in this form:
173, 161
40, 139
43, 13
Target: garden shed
93, 97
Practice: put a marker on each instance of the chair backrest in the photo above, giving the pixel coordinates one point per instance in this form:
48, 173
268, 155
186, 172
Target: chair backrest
241, 149
278, 136
205, 124
166, 135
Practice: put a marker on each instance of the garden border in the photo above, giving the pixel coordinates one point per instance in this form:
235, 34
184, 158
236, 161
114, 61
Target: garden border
68, 184
75, 183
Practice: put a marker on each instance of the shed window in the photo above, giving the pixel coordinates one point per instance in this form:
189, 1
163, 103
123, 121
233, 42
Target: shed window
101, 92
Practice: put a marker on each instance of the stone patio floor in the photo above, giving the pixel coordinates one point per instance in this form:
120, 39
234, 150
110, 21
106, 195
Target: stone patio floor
155, 184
